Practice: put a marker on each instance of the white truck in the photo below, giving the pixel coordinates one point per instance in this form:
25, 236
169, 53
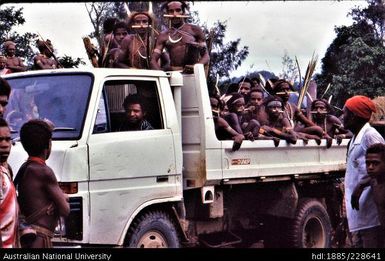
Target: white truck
176, 185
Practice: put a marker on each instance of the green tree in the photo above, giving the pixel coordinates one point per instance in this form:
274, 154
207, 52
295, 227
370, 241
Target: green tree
225, 57
11, 17
355, 61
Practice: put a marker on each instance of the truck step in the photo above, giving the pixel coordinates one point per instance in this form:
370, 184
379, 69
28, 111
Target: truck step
219, 239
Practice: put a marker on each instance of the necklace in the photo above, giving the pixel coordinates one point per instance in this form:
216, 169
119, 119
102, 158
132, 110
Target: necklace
141, 44
176, 30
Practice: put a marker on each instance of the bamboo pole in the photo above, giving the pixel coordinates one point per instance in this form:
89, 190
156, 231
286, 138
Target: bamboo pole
308, 75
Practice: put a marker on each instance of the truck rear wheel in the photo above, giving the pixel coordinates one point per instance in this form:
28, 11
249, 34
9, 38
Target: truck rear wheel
154, 229
311, 227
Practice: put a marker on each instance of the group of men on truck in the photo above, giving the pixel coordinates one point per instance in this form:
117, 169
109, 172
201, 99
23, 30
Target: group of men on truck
137, 44
253, 113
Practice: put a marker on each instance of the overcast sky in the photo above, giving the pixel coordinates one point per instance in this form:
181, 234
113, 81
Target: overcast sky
269, 28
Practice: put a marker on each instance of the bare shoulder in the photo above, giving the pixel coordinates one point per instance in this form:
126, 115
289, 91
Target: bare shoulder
163, 35
42, 171
126, 41
334, 119
196, 28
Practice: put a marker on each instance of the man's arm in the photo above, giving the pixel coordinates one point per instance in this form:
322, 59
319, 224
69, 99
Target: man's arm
302, 118
17, 68
39, 63
59, 198
157, 52
355, 198
201, 40
123, 53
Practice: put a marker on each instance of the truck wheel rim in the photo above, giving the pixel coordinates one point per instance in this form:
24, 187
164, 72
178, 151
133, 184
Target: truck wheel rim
314, 234
152, 239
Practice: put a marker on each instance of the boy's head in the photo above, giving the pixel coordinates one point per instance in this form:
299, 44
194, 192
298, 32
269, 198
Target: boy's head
5, 141
273, 106
375, 160
236, 103
35, 136
120, 31
244, 86
256, 96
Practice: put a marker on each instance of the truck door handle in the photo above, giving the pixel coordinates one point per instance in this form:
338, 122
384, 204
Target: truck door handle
162, 179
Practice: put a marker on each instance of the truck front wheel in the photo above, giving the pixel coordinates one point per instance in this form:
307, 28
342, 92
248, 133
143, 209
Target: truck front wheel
153, 229
311, 227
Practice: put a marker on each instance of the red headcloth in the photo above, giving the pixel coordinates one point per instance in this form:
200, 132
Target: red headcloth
361, 106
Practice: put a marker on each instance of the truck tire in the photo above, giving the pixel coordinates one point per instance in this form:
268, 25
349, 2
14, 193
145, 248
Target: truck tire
154, 229
311, 227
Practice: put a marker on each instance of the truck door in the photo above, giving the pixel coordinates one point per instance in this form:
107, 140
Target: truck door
128, 167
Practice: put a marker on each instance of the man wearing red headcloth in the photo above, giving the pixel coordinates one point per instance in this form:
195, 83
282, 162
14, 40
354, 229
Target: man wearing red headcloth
361, 210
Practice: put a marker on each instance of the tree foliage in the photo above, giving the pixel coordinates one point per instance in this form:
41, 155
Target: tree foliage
98, 12
224, 57
11, 17
355, 61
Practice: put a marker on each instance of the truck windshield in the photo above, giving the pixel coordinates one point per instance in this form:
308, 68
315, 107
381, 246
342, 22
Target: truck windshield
59, 99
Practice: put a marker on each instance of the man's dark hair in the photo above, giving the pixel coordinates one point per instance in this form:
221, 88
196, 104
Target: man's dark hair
233, 87
218, 98
35, 136
278, 84
271, 98
109, 24
120, 24
184, 5
327, 105
377, 148
3, 123
256, 89
257, 80
133, 99
5, 88
245, 80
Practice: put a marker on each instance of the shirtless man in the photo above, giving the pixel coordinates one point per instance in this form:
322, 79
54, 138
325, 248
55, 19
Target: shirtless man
277, 125
14, 63
120, 33
237, 120
108, 41
223, 129
3, 62
136, 48
45, 60
322, 116
184, 42
39, 192
255, 107
309, 130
